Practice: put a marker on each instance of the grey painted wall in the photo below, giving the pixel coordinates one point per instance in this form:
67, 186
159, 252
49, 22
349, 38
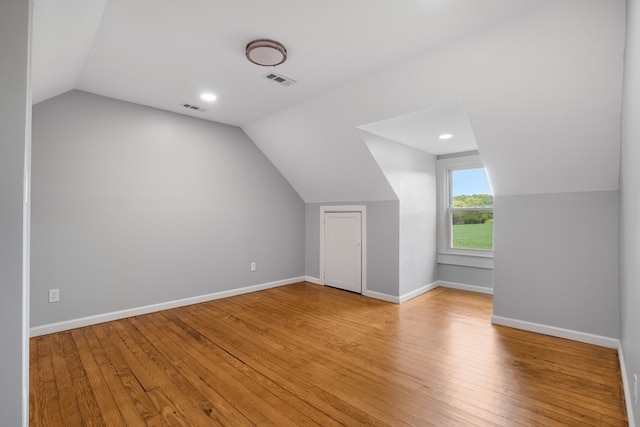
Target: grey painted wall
382, 244
466, 275
630, 202
14, 142
412, 175
135, 206
556, 260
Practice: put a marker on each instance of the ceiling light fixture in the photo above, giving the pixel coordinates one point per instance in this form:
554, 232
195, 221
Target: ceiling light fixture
265, 52
446, 136
208, 97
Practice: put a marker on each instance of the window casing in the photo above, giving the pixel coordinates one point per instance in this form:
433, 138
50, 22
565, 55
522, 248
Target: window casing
473, 252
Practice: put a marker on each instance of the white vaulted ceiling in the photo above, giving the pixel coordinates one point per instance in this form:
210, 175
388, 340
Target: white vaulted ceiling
539, 79
63, 35
164, 52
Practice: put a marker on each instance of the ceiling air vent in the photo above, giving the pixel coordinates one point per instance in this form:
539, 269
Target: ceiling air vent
279, 78
193, 107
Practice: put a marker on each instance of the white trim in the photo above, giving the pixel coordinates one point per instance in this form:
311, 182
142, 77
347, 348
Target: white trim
556, 332
381, 296
26, 226
346, 208
115, 315
447, 254
628, 394
463, 287
314, 280
466, 260
418, 292
425, 289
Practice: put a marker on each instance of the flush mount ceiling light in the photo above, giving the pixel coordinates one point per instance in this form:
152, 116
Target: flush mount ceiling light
265, 52
446, 136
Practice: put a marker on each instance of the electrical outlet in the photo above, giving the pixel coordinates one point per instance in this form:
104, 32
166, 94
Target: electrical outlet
635, 389
54, 295
253, 266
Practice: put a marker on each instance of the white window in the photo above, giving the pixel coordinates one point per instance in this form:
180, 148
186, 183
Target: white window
465, 213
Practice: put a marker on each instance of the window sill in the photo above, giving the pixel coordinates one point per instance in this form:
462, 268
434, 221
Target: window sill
484, 260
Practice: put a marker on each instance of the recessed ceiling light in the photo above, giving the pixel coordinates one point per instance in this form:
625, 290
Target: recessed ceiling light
208, 97
446, 136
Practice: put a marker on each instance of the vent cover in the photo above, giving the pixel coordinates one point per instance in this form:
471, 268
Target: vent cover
193, 107
280, 79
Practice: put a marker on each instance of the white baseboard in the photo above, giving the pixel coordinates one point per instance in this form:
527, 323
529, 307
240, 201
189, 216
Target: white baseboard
115, 315
628, 394
553, 331
381, 296
425, 289
581, 337
463, 287
418, 292
314, 280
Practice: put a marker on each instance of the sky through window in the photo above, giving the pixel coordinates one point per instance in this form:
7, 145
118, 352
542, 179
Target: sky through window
470, 181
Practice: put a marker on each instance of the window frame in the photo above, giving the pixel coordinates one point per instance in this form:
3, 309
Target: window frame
446, 253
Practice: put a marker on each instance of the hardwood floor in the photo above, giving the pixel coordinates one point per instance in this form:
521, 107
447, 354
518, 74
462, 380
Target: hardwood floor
310, 355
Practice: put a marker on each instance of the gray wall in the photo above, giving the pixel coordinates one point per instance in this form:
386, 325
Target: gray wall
630, 202
14, 142
135, 206
466, 275
382, 243
412, 175
556, 260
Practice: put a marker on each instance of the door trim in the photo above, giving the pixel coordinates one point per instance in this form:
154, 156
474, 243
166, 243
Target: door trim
346, 208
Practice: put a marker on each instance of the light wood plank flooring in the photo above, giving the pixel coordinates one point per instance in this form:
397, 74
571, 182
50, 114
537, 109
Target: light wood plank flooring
310, 355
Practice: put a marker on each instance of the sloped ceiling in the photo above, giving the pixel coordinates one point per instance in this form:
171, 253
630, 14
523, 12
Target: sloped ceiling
542, 92
540, 79
422, 130
63, 35
163, 53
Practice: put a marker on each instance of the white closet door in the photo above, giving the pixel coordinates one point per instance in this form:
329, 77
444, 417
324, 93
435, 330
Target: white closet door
343, 250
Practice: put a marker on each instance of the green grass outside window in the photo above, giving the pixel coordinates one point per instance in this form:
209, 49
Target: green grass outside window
473, 236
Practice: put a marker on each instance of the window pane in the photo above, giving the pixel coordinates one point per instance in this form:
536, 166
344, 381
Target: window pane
471, 229
470, 188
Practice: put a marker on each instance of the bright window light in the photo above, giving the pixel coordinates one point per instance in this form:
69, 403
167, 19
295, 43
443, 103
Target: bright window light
470, 210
